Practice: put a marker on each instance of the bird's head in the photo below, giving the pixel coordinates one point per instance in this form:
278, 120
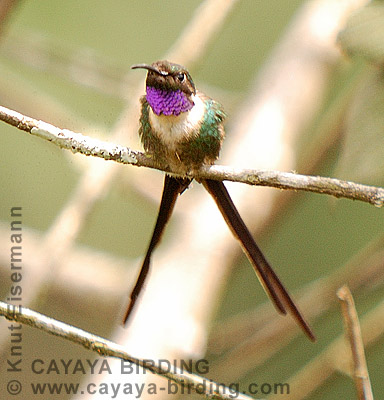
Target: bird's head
170, 88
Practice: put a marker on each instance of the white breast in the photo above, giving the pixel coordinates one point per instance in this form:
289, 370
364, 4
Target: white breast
174, 128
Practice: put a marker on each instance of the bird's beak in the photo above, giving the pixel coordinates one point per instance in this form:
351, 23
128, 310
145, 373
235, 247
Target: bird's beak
149, 68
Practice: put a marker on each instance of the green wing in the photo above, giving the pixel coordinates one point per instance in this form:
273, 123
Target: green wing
205, 147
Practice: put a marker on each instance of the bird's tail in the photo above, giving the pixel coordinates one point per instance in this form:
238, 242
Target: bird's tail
268, 278
172, 188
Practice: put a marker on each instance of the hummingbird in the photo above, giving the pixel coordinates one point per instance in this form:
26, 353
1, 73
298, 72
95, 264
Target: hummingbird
183, 129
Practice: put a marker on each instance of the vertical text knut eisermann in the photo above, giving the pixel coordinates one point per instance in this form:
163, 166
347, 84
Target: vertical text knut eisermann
15, 292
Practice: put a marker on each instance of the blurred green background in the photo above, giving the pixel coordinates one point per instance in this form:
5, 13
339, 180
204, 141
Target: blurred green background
317, 233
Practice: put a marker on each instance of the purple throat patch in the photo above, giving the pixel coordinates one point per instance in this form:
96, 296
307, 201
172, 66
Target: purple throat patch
168, 102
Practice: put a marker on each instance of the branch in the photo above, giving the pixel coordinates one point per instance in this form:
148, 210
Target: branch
352, 327
79, 143
104, 347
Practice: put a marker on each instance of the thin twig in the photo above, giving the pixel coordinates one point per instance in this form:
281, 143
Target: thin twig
192, 382
352, 327
79, 143
333, 358
251, 339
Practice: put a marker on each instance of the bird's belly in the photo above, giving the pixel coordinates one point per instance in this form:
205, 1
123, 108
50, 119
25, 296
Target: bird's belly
170, 129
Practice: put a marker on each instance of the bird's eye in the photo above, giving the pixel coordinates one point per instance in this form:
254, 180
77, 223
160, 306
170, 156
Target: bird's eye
181, 77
